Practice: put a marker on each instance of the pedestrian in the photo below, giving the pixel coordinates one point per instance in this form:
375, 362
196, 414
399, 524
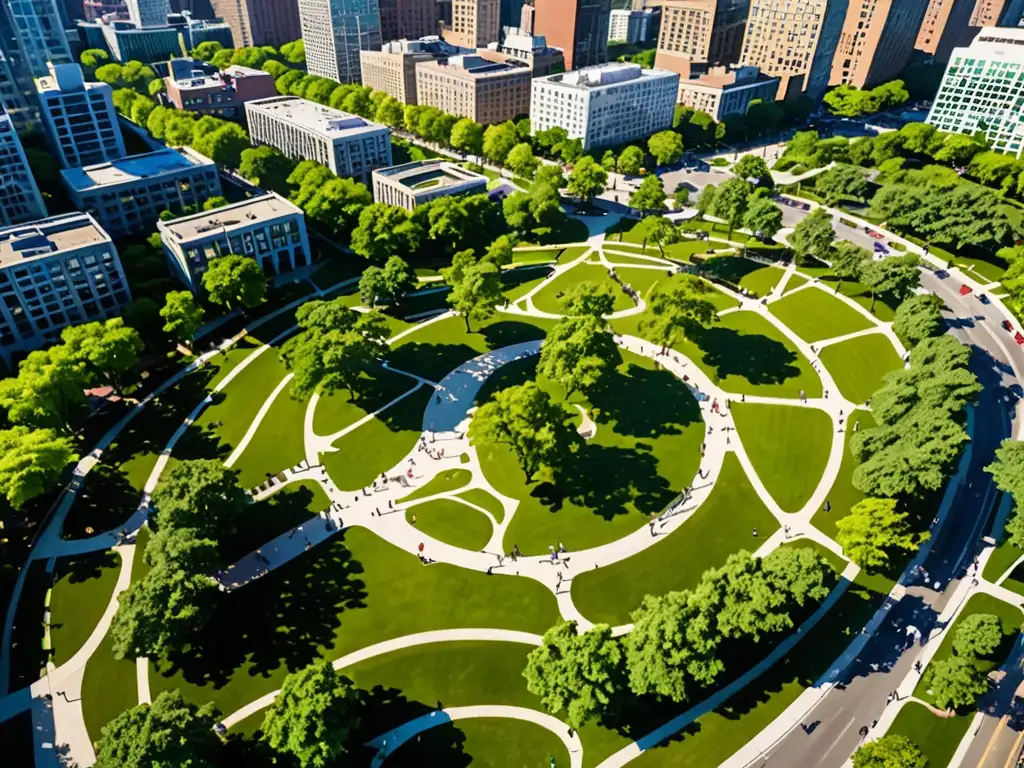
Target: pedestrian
653, 520
561, 548
501, 558
917, 667
391, 504
755, 533
516, 551
827, 506
378, 511
727, 440
413, 520
558, 581
420, 547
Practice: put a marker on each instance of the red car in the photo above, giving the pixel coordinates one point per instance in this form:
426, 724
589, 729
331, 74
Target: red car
1007, 325
1018, 338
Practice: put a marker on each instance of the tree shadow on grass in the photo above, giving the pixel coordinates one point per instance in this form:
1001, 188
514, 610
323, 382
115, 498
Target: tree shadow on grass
644, 403
86, 567
267, 519
282, 619
106, 501
201, 441
758, 359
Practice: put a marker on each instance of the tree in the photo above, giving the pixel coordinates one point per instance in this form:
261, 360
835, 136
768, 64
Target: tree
609, 161
170, 731
335, 347
468, 136
314, 715
763, 218
266, 167
1008, 472
979, 634
202, 494
234, 280
588, 299
31, 462
842, 182
848, 260
217, 201
587, 179
109, 348
499, 139
754, 170
674, 311
182, 315
500, 251
181, 549
385, 231
391, 283
577, 352
649, 197
631, 160
890, 751
143, 314
956, 682
391, 112
525, 419
918, 318
730, 202
224, 145
294, 52
477, 293
521, 161
706, 200
873, 529
578, 673
48, 390
796, 572
92, 58
898, 276
682, 195
813, 237
848, 101
336, 203
666, 146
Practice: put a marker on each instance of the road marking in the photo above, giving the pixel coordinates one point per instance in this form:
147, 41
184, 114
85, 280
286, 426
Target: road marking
992, 740
840, 736
1014, 750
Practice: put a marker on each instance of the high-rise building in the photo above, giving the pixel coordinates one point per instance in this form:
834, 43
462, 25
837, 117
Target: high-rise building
78, 117
527, 18
31, 36
944, 26
511, 13
149, 13
335, 31
303, 130
475, 23
997, 13
392, 69
19, 194
794, 41
127, 42
471, 86
260, 22
628, 26
54, 273
409, 19
982, 90
578, 27
877, 41
700, 31
606, 105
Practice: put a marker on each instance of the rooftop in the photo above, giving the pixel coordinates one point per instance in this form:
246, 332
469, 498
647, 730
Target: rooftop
326, 121
218, 79
46, 237
228, 217
721, 77
476, 66
133, 168
605, 75
997, 39
66, 78
426, 174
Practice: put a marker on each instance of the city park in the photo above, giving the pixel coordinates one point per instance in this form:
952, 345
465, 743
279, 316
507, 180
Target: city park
622, 498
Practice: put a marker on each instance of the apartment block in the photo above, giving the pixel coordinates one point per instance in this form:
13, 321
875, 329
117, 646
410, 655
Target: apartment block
347, 144
335, 31
408, 19
606, 105
983, 89
877, 41
578, 27
19, 194
416, 183
724, 91
944, 26
796, 41
997, 13
79, 117
149, 13
471, 86
31, 36
127, 196
223, 93
531, 50
392, 69
628, 26
260, 22
267, 228
475, 23
54, 273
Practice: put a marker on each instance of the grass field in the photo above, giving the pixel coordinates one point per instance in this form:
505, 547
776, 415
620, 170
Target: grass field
843, 496
452, 522
884, 307
339, 409
858, 365
549, 298
936, 737
484, 742
721, 525
1006, 554
482, 498
751, 275
788, 446
794, 282
82, 589
814, 315
443, 482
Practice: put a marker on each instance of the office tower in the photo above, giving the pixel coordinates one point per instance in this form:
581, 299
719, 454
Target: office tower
78, 117
607, 105
795, 42
335, 31
260, 22
526, 20
475, 23
578, 27
511, 12
408, 19
471, 86
982, 90
19, 194
702, 31
944, 26
997, 13
629, 26
31, 36
877, 41
149, 13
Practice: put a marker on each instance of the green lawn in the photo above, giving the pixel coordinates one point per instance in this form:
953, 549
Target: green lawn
535, 255
109, 687
549, 298
843, 495
752, 275
643, 280
617, 256
1011, 618
937, 737
744, 354
452, 522
794, 282
646, 450
884, 307
339, 409
82, 589
814, 315
572, 253
349, 592
858, 365
277, 443
687, 248
722, 525
482, 498
788, 446
1005, 555
485, 742
443, 482
379, 444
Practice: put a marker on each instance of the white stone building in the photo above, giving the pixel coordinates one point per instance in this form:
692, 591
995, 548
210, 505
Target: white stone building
415, 183
631, 26
79, 117
723, 91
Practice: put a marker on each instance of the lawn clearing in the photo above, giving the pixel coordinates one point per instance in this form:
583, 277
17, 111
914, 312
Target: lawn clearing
720, 526
452, 522
482, 498
1006, 554
754, 276
339, 409
444, 482
814, 315
549, 298
843, 495
485, 742
794, 282
82, 589
858, 365
937, 737
788, 446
